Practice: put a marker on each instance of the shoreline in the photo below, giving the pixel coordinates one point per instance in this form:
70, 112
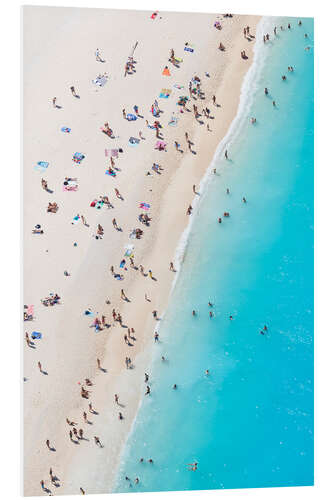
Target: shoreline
72, 466
235, 128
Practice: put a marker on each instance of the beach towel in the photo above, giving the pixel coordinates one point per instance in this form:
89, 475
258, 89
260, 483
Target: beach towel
111, 152
178, 59
78, 157
173, 121
101, 80
112, 173
165, 93
130, 117
144, 205
154, 15
76, 219
166, 71
41, 166
133, 141
129, 250
65, 129
30, 310
36, 335
87, 312
179, 87
160, 145
70, 186
189, 47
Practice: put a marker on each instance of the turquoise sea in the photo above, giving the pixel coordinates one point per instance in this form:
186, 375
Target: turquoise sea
249, 423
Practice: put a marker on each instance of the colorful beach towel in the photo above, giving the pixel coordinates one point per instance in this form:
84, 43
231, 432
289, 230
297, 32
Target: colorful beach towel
36, 335
133, 141
189, 47
78, 157
70, 186
110, 172
76, 219
160, 145
178, 87
144, 205
65, 129
165, 93
173, 121
130, 117
166, 71
101, 80
129, 250
111, 152
41, 166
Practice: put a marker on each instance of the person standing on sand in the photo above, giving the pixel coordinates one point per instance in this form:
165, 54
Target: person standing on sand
48, 443
172, 267
81, 433
98, 364
147, 390
85, 417
116, 399
82, 491
226, 154
39, 364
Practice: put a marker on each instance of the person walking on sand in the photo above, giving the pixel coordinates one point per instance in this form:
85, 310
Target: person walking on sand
123, 296
71, 435
85, 417
116, 399
97, 441
146, 377
48, 444
156, 337
155, 314
54, 102
98, 56
39, 364
81, 433
82, 491
172, 268
42, 484
99, 364
193, 188
120, 416
147, 390
226, 154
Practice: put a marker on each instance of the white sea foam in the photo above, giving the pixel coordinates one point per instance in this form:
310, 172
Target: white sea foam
248, 90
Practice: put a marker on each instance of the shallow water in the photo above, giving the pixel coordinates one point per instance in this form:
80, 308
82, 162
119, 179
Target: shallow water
249, 423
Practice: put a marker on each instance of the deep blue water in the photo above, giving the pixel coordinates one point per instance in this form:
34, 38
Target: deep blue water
250, 422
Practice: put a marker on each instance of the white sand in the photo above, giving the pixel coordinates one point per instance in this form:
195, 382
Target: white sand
59, 46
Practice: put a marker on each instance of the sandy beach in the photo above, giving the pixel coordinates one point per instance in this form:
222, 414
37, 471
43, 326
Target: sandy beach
59, 52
